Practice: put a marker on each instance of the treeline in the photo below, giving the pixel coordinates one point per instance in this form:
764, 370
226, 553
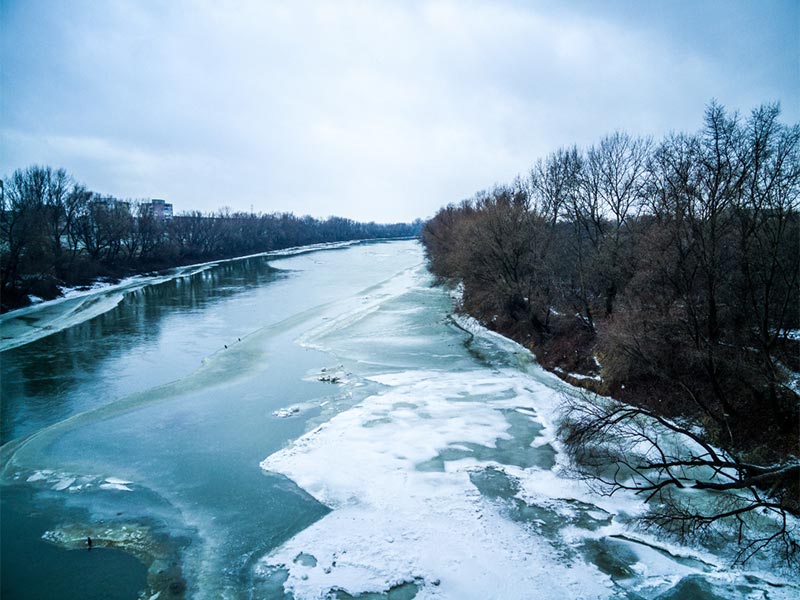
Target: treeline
662, 273
53, 231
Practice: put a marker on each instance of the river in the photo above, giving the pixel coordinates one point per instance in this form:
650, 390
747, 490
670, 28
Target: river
301, 425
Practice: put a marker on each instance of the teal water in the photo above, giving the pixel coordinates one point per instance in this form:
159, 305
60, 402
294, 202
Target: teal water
148, 393
35, 569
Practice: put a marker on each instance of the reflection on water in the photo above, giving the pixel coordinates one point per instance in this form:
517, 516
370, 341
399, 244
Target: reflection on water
173, 392
77, 368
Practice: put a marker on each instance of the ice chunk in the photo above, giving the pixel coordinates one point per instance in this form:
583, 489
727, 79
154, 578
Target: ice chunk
115, 486
117, 481
64, 483
286, 412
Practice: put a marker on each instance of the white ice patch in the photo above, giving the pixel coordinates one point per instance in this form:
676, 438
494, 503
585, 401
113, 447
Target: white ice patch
342, 315
64, 483
393, 523
117, 481
77, 305
115, 486
335, 375
474, 327
71, 482
37, 476
577, 376
400, 516
289, 411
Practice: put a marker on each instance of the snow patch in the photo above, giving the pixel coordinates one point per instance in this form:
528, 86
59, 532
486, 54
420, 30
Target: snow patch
577, 376
395, 522
425, 490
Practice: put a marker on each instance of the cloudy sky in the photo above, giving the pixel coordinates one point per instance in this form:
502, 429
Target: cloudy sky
371, 110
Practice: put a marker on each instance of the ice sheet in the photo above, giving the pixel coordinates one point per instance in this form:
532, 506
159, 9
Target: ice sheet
77, 305
424, 489
394, 523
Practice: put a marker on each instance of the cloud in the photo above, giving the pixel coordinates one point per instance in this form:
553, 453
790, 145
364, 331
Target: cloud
372, 110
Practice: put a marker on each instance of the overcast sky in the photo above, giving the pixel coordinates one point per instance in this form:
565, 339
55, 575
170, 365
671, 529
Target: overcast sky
371, 110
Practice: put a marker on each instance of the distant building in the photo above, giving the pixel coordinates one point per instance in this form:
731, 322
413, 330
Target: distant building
109, 202
161, 209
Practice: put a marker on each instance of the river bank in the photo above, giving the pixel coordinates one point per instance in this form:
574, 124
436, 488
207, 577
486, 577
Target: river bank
43, 288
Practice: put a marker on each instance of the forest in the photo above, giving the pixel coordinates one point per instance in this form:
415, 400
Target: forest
54, 232
663, 274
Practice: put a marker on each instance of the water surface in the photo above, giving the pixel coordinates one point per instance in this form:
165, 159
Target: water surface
174, 390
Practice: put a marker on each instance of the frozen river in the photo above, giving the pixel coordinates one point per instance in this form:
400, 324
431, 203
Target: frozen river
305, 425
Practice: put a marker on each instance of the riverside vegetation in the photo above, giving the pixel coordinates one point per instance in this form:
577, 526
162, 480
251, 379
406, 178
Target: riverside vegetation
665, 275
55, 232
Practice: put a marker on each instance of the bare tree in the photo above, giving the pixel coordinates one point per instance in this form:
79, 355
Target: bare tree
23, 236
682, 262
769, 243
620, 447
612, 192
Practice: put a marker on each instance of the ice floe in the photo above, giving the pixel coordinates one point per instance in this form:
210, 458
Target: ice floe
71, 482
395, 522
577, 376
79, 304
115, 486
289, 411
430, 489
